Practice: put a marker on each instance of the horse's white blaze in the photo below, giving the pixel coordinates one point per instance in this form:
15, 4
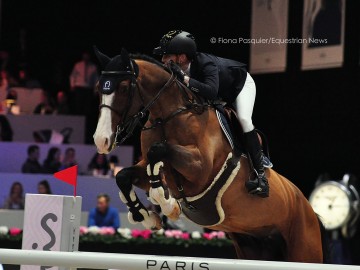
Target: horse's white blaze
102, 136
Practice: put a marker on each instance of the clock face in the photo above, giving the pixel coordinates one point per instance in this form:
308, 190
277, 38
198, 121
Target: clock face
331, 202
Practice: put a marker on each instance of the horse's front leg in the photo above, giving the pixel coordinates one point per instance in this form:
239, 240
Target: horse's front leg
169, 206
187, 160
126, 179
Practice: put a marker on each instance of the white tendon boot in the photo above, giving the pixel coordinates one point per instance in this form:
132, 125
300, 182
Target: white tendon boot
150, 220
170, 207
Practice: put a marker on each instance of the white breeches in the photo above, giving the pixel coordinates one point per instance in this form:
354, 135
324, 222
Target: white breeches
244, 104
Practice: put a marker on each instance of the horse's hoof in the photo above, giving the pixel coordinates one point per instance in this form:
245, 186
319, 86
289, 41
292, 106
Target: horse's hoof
175, 214
158, 224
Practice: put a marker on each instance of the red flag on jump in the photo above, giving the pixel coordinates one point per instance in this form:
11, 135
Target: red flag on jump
69, 176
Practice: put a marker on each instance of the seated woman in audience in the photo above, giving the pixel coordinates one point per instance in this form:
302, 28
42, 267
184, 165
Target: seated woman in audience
52, 162
44, 187
99, 165
16, 197
69, 159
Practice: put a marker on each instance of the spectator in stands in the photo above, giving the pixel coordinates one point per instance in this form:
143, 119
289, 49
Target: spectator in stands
99, 165
45, 106
16, 197
114, 165
44, 187
62, 106
82, 83
69, 158
25, 78
32, 164
104, 215
6, 132
52, 162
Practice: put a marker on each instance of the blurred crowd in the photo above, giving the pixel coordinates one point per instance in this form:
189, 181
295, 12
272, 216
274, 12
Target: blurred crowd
77, 98
99, 165
16, 199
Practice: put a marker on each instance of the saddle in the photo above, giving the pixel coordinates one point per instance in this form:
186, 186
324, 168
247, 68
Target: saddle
231, 123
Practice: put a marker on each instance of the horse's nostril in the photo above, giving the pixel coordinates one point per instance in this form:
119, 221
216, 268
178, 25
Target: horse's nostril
106, 142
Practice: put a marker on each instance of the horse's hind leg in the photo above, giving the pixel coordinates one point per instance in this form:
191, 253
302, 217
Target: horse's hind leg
271, 248
304, 241
169, 206
137, 211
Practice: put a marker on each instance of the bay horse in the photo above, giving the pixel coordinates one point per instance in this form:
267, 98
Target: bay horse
189, 165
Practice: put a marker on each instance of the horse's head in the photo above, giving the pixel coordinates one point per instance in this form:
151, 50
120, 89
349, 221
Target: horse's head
116, 86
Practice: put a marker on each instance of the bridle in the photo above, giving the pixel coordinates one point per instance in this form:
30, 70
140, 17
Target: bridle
128, 124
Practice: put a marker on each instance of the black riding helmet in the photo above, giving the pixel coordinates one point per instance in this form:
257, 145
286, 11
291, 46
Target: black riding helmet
177, 42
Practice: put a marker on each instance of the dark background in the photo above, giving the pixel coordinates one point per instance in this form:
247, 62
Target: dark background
311, 118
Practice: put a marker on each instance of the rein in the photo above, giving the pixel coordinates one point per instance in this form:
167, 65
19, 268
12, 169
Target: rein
129, 125
191, 105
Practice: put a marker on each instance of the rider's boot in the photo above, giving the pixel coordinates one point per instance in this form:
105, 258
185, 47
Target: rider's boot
257, 183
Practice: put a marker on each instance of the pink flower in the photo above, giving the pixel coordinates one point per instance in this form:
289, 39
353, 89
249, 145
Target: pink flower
83, 230
169, 233
208, 236
221, 235
177, 233
185, 236
136, 233
146, 234
107, 231
173, 233
15, 231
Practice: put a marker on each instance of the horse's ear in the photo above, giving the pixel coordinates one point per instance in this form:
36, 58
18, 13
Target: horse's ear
125, 56
103, 59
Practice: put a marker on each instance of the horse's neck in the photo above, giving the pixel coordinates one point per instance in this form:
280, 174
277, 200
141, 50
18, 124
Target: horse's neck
152, 81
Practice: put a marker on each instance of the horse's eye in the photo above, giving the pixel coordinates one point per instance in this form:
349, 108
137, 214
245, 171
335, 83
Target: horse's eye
124, 87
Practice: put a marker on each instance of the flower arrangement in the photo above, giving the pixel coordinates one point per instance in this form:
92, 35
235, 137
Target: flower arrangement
109, 235
170, 237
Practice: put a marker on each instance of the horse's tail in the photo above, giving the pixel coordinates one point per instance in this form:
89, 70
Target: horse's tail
325, 243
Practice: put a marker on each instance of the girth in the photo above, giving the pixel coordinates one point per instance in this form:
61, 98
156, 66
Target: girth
208, 210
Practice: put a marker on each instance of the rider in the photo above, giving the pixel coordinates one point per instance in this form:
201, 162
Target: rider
214, 77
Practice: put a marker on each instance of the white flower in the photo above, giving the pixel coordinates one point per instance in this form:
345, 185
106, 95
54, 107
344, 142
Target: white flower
4, 230
125, 232
196, 235
160, 232
94, 230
